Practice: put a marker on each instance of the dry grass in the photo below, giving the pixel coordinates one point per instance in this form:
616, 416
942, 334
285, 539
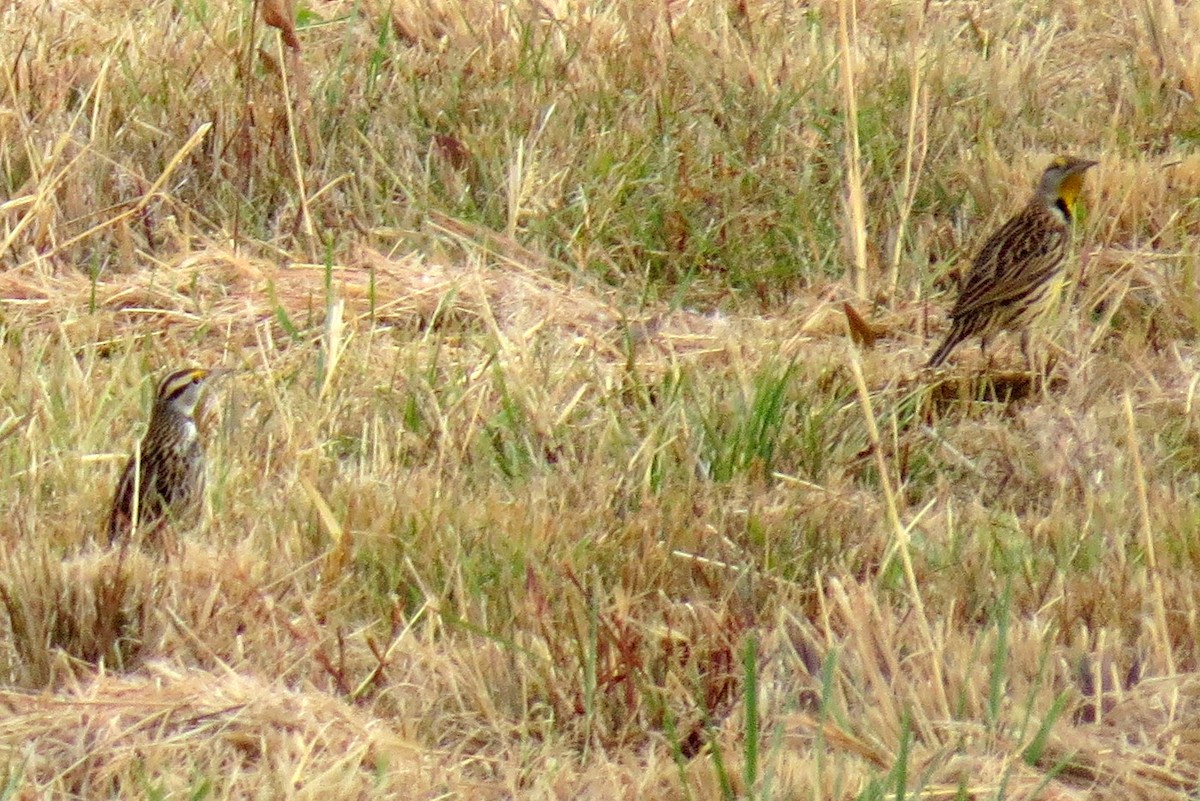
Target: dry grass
554, 470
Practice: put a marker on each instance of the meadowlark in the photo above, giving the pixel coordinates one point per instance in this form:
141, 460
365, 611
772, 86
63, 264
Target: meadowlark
164, 478
1014, 279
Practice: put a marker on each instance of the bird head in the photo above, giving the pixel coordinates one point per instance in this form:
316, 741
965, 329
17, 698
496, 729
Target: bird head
179, 392
1062, 181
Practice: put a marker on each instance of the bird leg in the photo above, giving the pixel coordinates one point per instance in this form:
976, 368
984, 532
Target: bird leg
1026, 348
983, 351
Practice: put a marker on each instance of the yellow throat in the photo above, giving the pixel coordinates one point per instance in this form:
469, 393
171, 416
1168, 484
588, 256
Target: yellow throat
1069, 190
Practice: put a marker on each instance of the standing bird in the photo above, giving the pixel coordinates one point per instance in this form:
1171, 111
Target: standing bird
164, 478
1013, 279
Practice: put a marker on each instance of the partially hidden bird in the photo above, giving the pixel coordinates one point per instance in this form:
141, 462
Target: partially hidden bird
163, 480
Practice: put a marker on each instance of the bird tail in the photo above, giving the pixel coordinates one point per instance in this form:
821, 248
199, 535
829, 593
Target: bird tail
958, 332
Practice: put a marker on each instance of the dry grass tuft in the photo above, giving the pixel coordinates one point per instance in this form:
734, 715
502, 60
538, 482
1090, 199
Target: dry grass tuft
63, 616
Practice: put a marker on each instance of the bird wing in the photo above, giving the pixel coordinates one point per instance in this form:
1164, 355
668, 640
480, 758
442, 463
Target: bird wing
1023, 254
149, 492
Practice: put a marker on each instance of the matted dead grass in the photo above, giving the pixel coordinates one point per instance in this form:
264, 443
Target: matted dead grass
93, 738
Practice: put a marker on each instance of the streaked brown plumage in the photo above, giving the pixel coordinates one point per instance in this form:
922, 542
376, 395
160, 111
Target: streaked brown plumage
1013, 279
170, 481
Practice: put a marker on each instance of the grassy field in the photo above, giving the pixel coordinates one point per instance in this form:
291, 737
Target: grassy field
553, 468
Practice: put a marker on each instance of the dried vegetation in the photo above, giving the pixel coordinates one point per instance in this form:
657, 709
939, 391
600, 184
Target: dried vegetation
580, 448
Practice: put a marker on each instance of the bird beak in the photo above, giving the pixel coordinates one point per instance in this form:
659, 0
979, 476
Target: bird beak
217, 373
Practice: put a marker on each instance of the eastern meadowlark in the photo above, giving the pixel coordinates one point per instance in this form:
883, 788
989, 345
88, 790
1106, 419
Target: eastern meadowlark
164, 478
1013, 280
